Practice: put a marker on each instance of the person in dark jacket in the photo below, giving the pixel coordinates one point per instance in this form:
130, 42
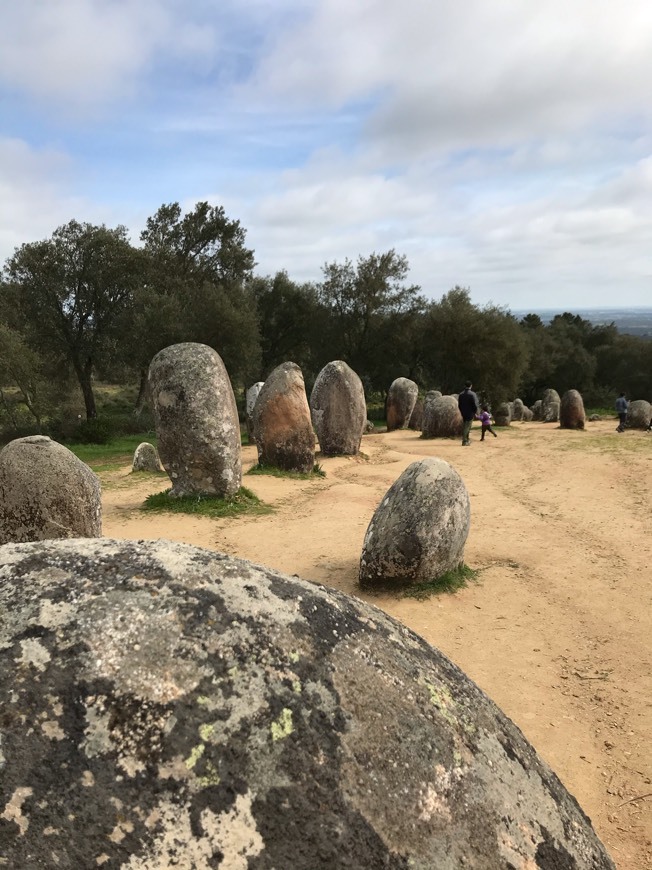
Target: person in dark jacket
469, 406
621, 410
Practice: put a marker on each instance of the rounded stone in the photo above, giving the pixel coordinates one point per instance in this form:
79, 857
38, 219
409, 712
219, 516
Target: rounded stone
517, 408
419, 530
146, 458
571, 411
416, 417
401, 399
537, 411
550, 406
639, 413
527, 415
503, 414
250, 403
46, 492
338, 409
441, 416
197, 425
282, 425
167, 706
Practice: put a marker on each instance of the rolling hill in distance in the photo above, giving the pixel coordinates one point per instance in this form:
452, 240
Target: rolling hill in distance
631, 321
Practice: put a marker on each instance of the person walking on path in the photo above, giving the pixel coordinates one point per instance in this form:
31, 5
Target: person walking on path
621, 409
469, 406
485, 420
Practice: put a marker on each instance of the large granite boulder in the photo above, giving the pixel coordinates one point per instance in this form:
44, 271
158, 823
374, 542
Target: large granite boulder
527, 415
401, 399
197, 423
639, 413
46, 492
441, 417
550, 404
146, 458
571, 411
282, 425
537, 411
338, 409
251, 397
503, 414
166, 706
419, 529
416, 417
516, 408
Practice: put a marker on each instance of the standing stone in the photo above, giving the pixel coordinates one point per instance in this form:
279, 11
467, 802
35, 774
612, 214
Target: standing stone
571, 411
419, 529
517, 408
338, 409
282, 425
536, 410
168, 706
441, 417
528, 415
369, 427
502, 414
146, 458
46, 492
416, 417
401, 399
639, 413
197, 421
550, 406
250, 403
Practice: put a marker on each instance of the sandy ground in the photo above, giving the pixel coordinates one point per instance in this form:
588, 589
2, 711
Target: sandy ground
558, 628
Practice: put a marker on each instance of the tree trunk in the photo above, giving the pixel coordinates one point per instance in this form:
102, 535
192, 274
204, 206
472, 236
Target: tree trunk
142, 393
84, 376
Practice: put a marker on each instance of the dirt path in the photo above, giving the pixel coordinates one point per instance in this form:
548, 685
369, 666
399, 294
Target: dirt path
558, 630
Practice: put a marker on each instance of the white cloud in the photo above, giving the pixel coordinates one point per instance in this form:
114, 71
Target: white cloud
467, 73
583, 239
38, 193
81, 53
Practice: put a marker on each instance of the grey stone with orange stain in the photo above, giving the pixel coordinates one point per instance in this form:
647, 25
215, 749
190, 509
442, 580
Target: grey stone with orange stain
338, 409
218, 714
46, 492
197, 423
282, 426
571, 411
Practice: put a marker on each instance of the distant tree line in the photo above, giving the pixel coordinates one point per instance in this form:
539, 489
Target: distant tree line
86, 304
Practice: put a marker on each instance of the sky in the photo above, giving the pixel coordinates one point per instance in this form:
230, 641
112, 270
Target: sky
504, 147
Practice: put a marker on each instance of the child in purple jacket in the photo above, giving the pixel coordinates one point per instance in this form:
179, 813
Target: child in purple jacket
485, 419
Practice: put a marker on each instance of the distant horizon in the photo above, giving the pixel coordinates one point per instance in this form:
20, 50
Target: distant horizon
572, 308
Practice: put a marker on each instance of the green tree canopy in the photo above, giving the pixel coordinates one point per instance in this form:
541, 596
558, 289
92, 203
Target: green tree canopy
196, 288
68, 295
361, 300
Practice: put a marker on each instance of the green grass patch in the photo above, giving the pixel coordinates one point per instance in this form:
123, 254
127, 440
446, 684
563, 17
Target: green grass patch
449, 582
273, 471
107, 457
243, 502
